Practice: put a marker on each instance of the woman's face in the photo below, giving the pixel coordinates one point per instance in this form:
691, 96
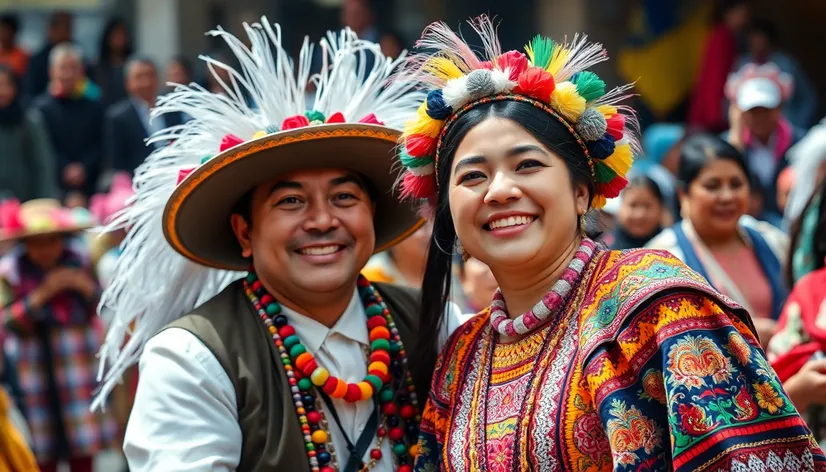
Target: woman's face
640, 211
478, 284
119, 38
45, 251
7, 90
511, 198
717, 198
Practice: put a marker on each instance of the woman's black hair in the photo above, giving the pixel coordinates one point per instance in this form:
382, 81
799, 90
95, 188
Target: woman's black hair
819, 236
438, 271
644, 181
105, 51
700, 150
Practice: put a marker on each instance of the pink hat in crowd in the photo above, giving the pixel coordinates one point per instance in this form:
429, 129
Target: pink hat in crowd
105, 205
40, 217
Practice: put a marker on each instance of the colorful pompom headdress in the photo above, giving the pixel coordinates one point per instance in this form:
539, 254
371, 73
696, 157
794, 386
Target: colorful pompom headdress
549, 75
180, 250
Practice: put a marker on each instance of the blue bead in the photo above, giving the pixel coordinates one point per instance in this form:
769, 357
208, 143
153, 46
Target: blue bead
323, 457
280, 321
308, 400
436, 106
602, 148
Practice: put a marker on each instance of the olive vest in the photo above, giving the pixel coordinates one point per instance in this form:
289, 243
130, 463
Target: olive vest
230, 328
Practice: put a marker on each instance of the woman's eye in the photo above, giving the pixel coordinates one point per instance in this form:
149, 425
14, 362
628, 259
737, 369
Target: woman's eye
473, 175
527, 164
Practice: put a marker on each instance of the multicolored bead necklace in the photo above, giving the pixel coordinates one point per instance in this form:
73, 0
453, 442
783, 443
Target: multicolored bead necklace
388, 380
550, 304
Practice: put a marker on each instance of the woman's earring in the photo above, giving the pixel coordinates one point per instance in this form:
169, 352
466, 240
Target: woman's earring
461, 250
582, 225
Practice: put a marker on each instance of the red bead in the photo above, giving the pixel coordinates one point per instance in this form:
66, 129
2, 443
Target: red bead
330, 385
363, 282
381, 432
267, 299
380, 356
389, 409
313, 417
310, 367
256, 286
408, 412
293, 382
396, 434
405, 468
286, 331
353, 393
327, 469
375, 454
376, 321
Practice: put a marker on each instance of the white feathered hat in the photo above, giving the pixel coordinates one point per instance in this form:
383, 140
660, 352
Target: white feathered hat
180, 250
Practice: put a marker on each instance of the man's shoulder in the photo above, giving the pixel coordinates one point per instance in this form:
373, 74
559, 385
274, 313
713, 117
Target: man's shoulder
119, 109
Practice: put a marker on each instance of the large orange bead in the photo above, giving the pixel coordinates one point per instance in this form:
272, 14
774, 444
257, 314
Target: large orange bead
379, 332
302, 360
341, 389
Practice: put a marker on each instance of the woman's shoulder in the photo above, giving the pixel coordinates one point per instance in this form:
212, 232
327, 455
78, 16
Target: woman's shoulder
777, 240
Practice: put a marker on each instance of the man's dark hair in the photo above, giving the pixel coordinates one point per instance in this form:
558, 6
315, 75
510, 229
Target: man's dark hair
10, 21
60, 16
138, 59
765, 27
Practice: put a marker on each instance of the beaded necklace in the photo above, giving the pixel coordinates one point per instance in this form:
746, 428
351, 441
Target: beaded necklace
389, 383
550, 304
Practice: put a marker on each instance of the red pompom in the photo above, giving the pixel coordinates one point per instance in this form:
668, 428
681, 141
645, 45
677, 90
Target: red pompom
336, 117
613, 188
375, 321
516, 61
292, 122
229, 141
616, 126
371, 120
537, 83
380, 356
182, 175
418, 145
413, 186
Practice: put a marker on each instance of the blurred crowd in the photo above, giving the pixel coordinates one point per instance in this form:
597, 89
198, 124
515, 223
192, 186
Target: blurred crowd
734, 191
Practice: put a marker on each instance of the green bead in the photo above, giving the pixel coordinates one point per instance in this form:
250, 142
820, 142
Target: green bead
380, 344
291, 341
273, 309
315, 115
285, 361
251, 277
297, 350
400, 449
386, 395
373, 310
374, 381
394, 348
305, 384
310, 447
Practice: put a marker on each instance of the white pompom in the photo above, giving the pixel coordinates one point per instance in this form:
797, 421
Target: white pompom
456, 93
502, 81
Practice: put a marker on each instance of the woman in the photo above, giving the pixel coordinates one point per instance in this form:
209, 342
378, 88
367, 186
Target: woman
28, 170
476, 285
48, 300
403, 264
616, 361
739, 256
640, 213
115, 49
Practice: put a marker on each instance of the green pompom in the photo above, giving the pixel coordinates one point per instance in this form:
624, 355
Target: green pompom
588, 85
373, 310
315, 115
410, 161
603, 173
374, 381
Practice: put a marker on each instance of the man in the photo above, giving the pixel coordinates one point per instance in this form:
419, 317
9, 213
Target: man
758, 127
298, 364
74, 120
11, 54
61, 25
128, 123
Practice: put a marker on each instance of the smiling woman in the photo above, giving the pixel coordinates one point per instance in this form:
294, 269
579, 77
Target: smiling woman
586, 359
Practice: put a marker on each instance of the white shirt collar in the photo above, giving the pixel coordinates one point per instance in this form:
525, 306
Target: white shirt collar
352, 324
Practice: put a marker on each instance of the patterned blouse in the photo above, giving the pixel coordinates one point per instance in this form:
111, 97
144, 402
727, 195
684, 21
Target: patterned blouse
647, 369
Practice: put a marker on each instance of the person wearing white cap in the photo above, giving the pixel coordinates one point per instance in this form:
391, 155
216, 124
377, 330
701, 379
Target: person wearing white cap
758, 127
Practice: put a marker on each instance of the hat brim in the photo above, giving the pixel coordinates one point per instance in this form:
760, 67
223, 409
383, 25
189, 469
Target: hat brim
17, 236
196, 220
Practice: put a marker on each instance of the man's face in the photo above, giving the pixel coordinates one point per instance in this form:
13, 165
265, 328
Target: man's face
67, 71
61, 29
311, 231
6, 36
356, 14
762, 122
142, 81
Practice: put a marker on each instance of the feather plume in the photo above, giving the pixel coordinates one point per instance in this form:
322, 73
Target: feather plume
440, 38
581, 56
484, 27
153, 285
540, 50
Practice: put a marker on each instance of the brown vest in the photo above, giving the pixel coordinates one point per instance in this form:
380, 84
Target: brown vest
229, 327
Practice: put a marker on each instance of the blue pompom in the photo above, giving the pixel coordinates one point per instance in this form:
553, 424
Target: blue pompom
602, 148
436, 106
270, 129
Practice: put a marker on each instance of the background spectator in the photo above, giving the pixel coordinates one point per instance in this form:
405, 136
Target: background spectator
178, 71
115, 50
28, 170
640, 213
11, 54
37, 76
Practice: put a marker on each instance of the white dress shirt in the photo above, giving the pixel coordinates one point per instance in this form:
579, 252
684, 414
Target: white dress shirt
185, 416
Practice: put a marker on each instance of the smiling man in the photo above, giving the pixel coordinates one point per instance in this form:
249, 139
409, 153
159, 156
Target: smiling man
285, 358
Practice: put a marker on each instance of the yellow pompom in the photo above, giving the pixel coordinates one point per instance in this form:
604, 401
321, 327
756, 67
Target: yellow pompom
598, 201
442, 68
607, 110
558, 61
567, 102
620, 161
259, 134
423, 124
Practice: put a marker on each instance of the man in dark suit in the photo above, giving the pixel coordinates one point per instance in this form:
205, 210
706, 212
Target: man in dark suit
128, 122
